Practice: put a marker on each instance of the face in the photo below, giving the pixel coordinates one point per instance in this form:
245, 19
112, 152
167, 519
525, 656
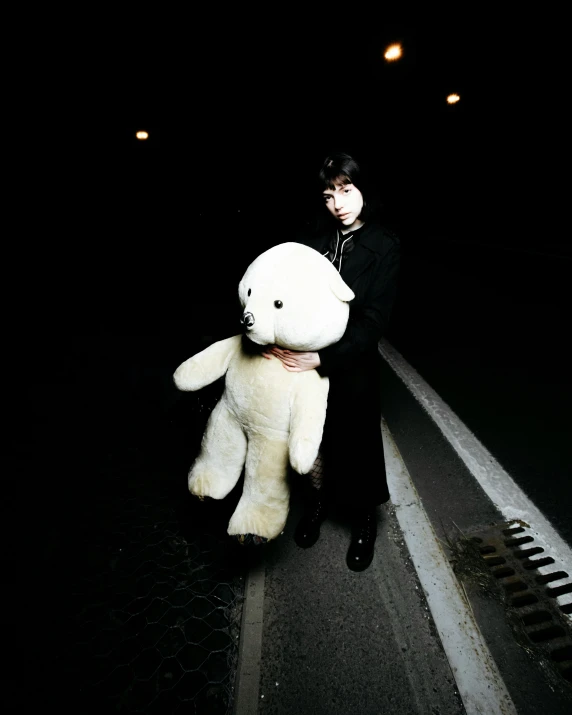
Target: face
345, 203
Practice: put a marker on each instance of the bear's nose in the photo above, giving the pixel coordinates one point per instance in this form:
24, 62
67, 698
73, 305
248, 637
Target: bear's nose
247, 320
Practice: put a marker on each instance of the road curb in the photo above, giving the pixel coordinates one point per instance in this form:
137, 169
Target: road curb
250, 647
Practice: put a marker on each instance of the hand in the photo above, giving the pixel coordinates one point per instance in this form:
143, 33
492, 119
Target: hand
292, 360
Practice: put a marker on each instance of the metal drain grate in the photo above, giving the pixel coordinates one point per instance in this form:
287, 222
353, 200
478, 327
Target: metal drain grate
536, 589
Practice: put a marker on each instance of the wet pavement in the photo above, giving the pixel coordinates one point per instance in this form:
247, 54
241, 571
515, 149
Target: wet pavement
336, 641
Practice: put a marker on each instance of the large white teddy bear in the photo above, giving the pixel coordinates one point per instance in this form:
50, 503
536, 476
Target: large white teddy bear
268, 416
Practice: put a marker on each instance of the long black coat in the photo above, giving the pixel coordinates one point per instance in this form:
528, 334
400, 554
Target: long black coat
352, 445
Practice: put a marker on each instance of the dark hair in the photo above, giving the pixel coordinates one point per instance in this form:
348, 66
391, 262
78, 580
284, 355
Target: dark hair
341, 167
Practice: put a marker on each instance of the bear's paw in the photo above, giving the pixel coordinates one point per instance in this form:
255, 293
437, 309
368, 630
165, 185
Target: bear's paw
303, 453
204, 484
257, 519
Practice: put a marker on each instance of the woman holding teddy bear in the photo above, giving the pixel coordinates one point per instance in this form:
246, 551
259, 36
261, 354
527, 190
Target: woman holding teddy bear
367, 256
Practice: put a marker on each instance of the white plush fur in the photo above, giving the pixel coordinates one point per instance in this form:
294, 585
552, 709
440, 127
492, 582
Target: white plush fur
267, 416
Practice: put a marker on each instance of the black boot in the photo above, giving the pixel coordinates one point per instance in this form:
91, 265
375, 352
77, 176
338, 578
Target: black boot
315, 511
364, 532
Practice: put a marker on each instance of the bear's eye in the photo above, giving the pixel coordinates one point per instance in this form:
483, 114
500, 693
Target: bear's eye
278, 303
249, 292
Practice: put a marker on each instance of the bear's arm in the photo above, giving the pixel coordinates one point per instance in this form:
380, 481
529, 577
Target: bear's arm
207, 366
307, 419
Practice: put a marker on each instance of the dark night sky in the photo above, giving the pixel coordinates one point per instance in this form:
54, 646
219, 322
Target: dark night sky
252, 84
236, 111
240, 95
245, 96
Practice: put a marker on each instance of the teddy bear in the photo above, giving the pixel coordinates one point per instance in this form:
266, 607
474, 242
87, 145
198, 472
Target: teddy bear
267, 418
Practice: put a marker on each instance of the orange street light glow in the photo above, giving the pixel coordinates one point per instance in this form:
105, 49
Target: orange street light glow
393, 53
142, 135
453, 99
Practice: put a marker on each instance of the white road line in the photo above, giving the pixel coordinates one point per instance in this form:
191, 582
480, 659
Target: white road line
479, 682
250, 647
498, 485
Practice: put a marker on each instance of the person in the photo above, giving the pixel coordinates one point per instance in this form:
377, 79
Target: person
350, 469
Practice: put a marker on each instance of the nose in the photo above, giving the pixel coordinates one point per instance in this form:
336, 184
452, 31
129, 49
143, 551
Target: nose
247, 320
338, 203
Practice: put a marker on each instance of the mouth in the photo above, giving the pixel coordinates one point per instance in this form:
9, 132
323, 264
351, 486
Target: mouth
342, 217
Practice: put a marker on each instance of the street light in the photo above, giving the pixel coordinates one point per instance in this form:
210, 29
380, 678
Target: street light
453, 99
393, 52
142, 136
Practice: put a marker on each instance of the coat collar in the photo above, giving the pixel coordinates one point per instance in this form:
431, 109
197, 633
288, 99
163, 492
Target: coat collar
372, 236
376, 238
374, 242
358, 260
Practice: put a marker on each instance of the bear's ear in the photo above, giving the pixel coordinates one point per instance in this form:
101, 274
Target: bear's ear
340, 288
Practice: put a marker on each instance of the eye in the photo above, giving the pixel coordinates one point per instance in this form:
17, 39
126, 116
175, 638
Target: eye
249, 292
278, 304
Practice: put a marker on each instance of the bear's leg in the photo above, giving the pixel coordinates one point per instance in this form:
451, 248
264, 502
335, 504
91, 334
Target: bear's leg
263, 508
223, 449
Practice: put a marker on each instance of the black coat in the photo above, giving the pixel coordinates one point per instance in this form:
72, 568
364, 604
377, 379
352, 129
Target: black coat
352, 444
